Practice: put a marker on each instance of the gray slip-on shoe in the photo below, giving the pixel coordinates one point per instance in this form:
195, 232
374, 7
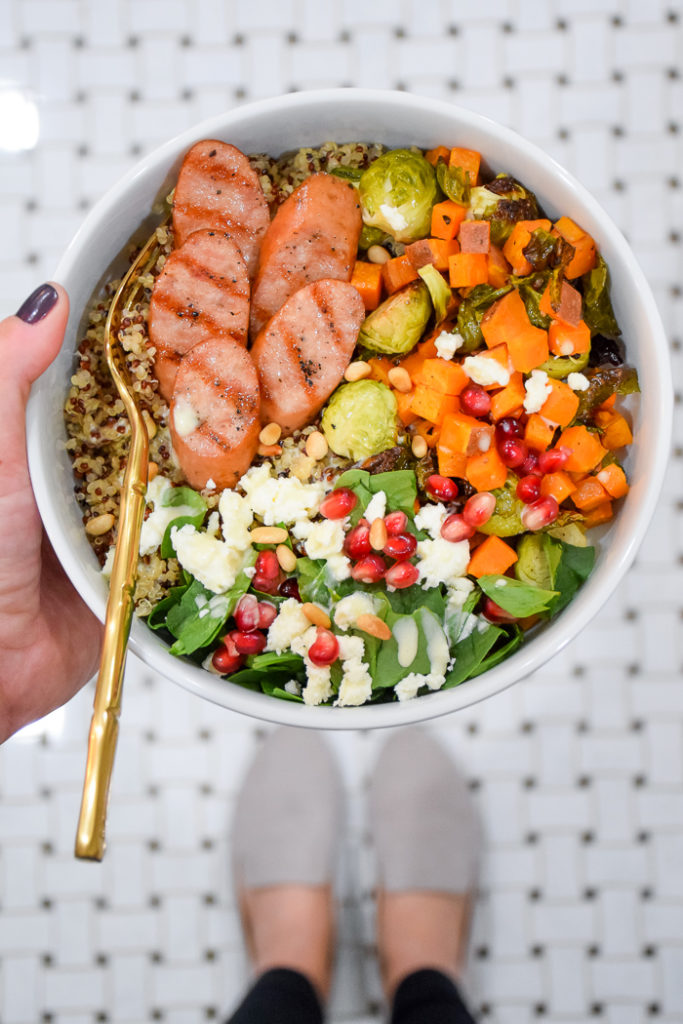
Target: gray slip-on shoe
427, 833
287, 823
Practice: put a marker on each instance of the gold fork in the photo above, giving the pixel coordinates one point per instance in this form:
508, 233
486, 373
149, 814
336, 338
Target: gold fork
104, 726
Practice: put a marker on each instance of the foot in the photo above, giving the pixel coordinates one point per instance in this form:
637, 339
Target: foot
285, 836
427, 843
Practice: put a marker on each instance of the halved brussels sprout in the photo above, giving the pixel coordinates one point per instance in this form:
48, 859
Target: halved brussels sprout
503, 202
506, 520
439, 292
397, 324
361, 419
570, 533
397, 193
559, 367
537, 561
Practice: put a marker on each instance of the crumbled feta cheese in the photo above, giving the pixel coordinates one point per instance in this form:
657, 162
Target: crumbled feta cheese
108, 566
322, 539
280, 499
351, 647
486, 371
300, 644
155, 525
210, 484
338, 568
289, 623
318, 686
407, 688
347, 610
430, 519
356, 685
448, 343
377, 507
293, 686
566, 348
537, 389
185, 418
213, 562
578, 382
441, 561
393, 217
459, 591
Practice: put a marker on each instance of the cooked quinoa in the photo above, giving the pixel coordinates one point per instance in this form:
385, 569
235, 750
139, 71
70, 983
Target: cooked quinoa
96, 423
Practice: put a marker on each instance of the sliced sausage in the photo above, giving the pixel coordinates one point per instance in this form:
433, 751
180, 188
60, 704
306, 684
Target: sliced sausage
202, 292
302, 352
314, 235
215, 413
218, 188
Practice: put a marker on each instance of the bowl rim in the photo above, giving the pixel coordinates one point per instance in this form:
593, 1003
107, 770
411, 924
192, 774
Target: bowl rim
529, 657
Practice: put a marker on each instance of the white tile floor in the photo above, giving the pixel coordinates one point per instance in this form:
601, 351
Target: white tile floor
579, 770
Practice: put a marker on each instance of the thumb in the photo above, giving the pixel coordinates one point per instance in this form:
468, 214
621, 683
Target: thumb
30, 340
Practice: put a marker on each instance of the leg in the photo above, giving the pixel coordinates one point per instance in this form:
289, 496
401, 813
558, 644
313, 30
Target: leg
284, 840
427, 841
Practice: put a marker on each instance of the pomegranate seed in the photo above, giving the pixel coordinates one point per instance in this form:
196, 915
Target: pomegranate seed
508, 427
396, 523
402, 575
265, 585
289, 588
475, 401
247, 613
370, 569
454, 528
249, 643
441, 487
338, 504
529, 489
540, 513
494, 613
479, 509
357, 540
324, 649
267, 565
530, 464
512, 451
401, 547
226, 658
551, 461
267, 613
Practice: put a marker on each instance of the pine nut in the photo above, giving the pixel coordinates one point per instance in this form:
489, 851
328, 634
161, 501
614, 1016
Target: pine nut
286, 558
152, 471
270, 434
269, 449
150, 425
316, 446
419, 447
357, 371
315, 615
399, 378
373, 625
378, 535
378, 254
100, 524
268, 535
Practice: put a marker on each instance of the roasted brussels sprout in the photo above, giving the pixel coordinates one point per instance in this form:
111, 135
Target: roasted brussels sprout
361, 419
397, 193
439, 292
397, 324
559, 367
597, 305
537, 560
471, 312
503, 202
506, 520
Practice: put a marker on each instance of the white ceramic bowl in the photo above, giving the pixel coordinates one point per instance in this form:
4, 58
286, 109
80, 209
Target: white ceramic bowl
308, 119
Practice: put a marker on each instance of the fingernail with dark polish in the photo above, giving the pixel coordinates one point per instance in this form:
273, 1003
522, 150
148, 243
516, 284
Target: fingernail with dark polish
38, 304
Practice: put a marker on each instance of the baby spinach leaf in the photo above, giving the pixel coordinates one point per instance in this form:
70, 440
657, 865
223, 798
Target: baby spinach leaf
157, 617
286, 661
469, 653
517, 598
312, 580
597, 305
410, 599
388, 671
499, 654
181, 497
399, 485
573, 569
196, 624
